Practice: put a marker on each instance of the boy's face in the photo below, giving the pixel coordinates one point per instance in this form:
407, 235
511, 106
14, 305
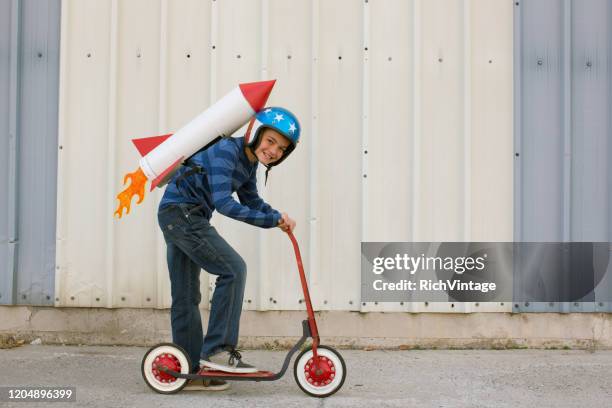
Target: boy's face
271, 147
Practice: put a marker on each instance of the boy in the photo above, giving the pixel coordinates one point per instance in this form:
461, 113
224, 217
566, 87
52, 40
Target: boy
191, 196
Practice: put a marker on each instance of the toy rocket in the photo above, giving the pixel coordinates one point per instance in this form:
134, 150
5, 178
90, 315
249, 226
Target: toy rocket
163, 154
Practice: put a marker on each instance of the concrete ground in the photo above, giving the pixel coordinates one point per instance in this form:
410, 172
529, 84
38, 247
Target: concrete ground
110, 377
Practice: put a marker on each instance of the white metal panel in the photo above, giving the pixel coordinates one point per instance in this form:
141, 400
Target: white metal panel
390, 117
134, 238
423, 99
336, 281
491, 117
288, 59
441, 193
83, 195
185, 59
237, 58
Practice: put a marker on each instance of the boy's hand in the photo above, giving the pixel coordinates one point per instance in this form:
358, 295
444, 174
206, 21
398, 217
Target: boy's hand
286, 223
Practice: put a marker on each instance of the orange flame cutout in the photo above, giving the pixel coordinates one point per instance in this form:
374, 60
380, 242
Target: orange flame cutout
137, 186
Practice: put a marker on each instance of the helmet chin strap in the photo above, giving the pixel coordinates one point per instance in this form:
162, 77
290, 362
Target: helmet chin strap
267, 166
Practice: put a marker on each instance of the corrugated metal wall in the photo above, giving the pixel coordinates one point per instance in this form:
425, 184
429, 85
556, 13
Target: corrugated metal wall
564, 130
29, 73
406, 109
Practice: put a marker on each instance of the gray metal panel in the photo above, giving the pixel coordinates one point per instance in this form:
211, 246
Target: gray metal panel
38, 116
9, 65
5, 45
563, 131
29, 84
541, 154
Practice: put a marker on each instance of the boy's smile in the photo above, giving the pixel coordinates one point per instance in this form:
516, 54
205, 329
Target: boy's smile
271, 147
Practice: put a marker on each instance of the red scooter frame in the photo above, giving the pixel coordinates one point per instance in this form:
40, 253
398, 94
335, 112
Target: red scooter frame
317, 375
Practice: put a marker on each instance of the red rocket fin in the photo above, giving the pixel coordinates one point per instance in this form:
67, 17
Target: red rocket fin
146, 144
169, 170
257, 93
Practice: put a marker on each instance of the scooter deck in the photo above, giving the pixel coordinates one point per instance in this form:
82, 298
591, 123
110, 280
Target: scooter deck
218, 373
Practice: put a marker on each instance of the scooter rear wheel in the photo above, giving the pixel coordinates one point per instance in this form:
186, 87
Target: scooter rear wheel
171, 356
323, 379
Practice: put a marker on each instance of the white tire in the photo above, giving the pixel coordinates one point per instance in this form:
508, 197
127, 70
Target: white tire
171, 356
321, 381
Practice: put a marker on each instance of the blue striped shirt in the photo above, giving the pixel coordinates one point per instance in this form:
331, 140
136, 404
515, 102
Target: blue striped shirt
225, 169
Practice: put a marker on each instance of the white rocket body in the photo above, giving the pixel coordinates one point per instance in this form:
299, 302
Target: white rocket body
162, 154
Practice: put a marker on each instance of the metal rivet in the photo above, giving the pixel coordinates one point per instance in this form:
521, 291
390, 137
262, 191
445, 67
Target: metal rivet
300, 301
401, 303
389, 59
363, 304
213, 47
138, 55
350, 302
540, 62
426, 303
589, 64
325, 301
365, 176
39, 54
23, 296
48, 297
440, 60
249, 301
575, 303
517, 3
601, 304
376, 303
477, 304
88, 55
60, 147
502, 303
288, 56
527, 304
71, 297
339, 57
274, 301
238, 56
452, 305
148, 299
97, 299
365, 152
366, 48
517, 154
122, 298
271, 299
188, 55
490, 61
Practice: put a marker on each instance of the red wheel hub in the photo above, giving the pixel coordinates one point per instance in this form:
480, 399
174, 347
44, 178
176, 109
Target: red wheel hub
170, 362
320, 374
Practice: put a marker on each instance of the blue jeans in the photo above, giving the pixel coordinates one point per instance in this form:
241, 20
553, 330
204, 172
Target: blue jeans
193, 244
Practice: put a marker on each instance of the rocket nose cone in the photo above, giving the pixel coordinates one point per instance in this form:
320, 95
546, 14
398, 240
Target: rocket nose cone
257, 93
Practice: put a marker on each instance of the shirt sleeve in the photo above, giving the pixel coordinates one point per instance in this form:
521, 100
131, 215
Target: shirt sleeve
222, 165
249, 196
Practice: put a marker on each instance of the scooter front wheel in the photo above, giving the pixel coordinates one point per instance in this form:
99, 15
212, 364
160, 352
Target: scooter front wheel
165, 355
319, 378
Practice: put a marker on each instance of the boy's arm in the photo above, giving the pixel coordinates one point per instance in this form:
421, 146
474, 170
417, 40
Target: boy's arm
249, 196
220, 182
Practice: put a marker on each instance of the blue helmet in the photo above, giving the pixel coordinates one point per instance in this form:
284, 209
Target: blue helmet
278, 119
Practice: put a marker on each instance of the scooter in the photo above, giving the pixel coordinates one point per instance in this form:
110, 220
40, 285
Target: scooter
318, 370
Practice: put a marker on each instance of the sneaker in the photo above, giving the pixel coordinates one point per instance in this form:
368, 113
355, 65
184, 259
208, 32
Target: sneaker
229, 361
206, 385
